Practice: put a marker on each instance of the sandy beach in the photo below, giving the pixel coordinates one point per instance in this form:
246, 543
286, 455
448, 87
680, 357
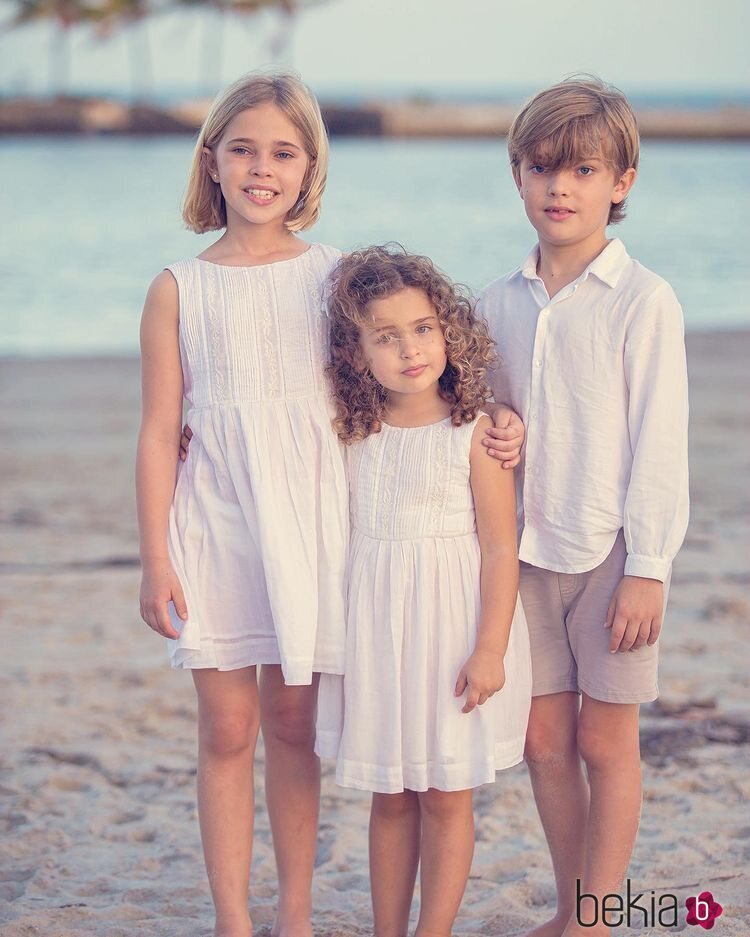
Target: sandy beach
98, 826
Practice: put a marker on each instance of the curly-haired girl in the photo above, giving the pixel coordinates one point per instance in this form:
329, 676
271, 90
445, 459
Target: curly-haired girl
437, 687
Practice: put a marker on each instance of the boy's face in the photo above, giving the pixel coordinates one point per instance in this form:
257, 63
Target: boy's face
570, 205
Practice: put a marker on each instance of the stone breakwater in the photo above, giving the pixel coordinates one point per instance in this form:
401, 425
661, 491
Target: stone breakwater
376, 119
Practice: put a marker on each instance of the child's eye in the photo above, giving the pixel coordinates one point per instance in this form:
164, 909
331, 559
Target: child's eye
423, 329
537, 170
242, 150
286, 155
585, 170
385, 338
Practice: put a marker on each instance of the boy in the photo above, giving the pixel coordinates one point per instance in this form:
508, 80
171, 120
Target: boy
592, 358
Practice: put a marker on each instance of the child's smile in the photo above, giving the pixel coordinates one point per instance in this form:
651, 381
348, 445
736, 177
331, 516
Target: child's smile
261, 164
260, 195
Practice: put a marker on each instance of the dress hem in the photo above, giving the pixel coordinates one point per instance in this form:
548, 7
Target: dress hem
423, 777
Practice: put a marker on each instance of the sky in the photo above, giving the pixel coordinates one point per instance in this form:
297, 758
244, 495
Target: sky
424, 45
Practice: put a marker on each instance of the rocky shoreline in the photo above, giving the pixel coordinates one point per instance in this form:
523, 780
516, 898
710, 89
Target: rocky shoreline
84, 115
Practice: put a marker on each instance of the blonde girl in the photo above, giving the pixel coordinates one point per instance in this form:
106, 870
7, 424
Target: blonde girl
436, 690
243, 552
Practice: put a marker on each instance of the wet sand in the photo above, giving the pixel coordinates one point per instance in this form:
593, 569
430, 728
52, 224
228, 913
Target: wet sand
98, 827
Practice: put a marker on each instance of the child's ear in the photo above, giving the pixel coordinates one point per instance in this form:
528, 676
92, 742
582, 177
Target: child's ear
209, 161
517, 180
359, 361
623, 186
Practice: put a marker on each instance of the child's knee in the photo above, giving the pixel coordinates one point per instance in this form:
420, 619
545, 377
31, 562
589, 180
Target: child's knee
442, 805
548, 746
394, 806
601, 749
290, 723
230, 733
551, 733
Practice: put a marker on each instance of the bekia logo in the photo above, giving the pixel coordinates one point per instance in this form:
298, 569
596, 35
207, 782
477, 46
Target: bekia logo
643, 909
703, 910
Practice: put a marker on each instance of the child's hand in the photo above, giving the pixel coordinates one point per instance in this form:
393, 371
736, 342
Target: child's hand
159, 586
187, 435
505, 438
634, 614
483, 674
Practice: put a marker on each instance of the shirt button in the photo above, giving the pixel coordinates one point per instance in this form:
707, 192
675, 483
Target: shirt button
545, 312
538, 363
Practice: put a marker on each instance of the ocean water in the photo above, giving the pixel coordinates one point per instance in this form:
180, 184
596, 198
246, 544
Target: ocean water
87, 222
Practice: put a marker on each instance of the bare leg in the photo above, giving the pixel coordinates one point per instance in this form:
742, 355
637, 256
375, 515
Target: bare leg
446, 852
394, 857
292, 794
609, 745
227, 734
561, 795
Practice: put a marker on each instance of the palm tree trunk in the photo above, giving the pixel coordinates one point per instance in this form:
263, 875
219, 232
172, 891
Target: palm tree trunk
59, 60
141, 60
212, 51
281, 39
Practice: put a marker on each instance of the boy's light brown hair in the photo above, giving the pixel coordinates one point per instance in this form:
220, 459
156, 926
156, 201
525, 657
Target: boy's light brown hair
203, 208
574, 120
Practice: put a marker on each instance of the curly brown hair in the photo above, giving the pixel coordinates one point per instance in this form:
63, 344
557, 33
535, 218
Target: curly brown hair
376, 273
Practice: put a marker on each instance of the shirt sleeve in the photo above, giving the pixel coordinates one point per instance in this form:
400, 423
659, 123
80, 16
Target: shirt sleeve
657, 498
480, 310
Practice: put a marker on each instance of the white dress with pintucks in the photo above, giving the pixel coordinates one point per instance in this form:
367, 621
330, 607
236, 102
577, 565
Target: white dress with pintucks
258, 528
393, 722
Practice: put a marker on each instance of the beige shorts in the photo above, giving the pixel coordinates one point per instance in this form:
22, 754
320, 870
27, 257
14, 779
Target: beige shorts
569, 643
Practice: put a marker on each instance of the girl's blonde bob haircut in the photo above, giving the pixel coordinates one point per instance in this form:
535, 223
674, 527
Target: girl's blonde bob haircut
204, 208
376, 273
577, 119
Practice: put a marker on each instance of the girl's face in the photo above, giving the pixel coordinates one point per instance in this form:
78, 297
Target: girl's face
260, 163
403, 343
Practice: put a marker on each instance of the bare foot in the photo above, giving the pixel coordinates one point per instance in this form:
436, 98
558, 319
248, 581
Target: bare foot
552, 928
292, 928
241, 928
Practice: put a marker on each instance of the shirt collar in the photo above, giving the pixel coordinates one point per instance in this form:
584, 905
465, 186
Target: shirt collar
607, 267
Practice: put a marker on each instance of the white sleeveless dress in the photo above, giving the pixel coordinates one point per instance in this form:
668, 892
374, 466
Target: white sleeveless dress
413, 608
259, 523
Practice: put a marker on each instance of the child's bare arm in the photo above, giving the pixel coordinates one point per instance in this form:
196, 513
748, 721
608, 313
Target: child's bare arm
505, 436
161, 378
495, 504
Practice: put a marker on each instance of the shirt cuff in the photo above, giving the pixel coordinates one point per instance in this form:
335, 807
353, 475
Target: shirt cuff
647, 567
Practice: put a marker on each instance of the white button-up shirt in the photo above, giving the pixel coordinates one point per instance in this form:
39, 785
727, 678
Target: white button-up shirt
598, 375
